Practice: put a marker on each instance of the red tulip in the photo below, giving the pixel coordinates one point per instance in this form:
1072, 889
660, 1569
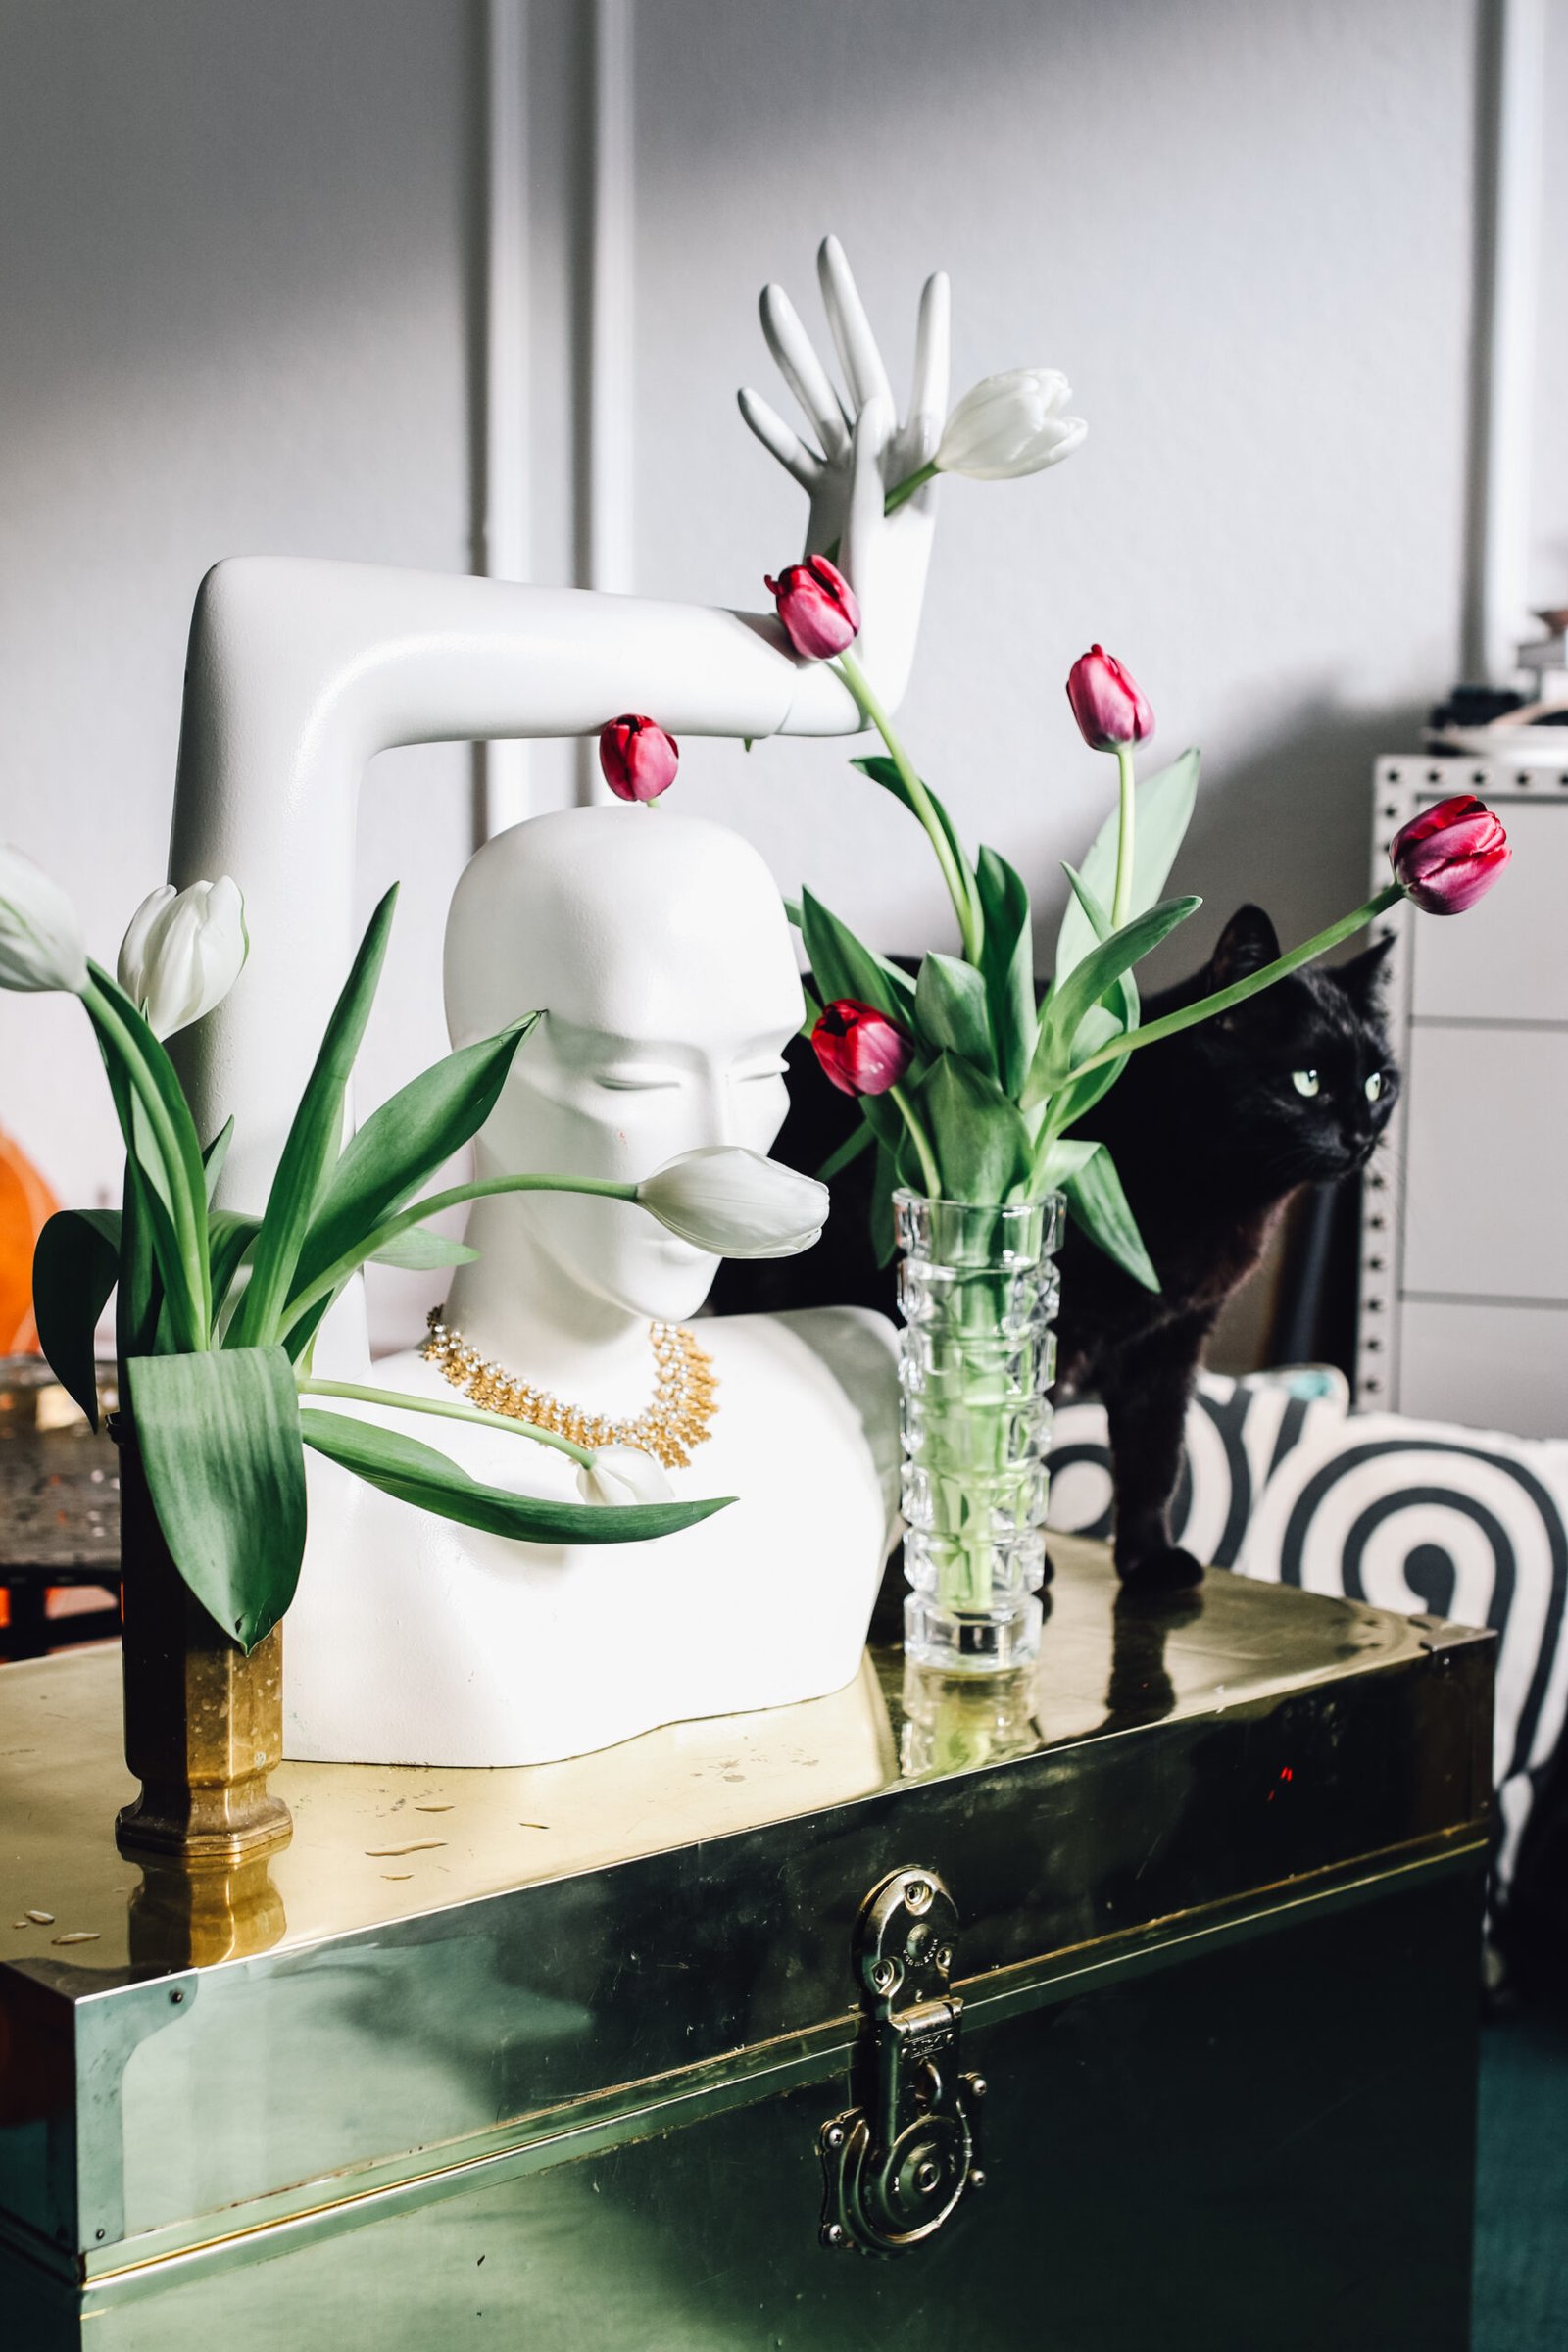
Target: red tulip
817, 607
1109, 705
638, 758
1449, 856
863, 1052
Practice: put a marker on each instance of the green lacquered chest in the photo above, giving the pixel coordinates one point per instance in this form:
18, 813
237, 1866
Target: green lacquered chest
556, 2057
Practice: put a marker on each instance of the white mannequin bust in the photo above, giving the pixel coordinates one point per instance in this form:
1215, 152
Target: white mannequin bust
660, 949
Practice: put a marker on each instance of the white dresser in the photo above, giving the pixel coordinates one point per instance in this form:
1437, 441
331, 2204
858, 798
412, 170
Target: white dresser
1464, 1260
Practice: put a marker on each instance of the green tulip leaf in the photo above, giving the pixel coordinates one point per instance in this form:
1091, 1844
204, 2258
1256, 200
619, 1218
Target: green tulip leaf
213, 1157
185, 1180
982, 1146
952, 1013
1164, 811
231, 1236
420, 1249
841, 967
219, 1436
1007, 963
1096, 1202
432, 1482
859, 1139
1100, 918
311, 1150
76, 1265
1088, 982
881, 771
1056, 1157
402, 1143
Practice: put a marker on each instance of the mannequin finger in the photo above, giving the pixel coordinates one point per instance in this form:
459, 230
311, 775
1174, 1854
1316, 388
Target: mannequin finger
802, 370
851, 329
928, 390
779, 441
864, 520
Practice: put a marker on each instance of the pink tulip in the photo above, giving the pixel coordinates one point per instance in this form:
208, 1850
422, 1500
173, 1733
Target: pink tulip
1109, 705
862, 1050
817, 607
1449, 856
638, 758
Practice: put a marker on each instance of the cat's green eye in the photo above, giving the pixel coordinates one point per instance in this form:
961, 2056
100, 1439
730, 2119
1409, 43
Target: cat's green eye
1374, 1087
1306, 1082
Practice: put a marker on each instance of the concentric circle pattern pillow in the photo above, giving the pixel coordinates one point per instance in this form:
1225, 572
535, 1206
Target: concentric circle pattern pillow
1414, 1516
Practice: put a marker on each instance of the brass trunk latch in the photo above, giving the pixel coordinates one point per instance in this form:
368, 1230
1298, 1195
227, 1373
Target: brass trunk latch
895, 2166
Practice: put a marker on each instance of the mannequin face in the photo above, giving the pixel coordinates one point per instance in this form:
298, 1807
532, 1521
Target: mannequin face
658, 947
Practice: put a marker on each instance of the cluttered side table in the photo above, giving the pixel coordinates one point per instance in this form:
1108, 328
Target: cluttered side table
59, 1516
561, 2049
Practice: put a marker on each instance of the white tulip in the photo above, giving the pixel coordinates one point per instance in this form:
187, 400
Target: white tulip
736, 1203
1011, 425
183, 953
43, 946
622, 1474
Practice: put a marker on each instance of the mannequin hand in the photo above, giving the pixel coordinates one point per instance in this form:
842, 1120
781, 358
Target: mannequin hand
859, 452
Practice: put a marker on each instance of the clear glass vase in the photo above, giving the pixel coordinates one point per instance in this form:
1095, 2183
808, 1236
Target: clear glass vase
978, 1290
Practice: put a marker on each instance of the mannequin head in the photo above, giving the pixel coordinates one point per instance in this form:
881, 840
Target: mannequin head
658, 949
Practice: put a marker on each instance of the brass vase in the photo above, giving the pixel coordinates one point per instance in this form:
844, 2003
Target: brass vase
203, 1722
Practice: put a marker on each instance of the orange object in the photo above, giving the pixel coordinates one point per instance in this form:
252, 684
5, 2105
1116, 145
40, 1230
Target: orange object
25, 1206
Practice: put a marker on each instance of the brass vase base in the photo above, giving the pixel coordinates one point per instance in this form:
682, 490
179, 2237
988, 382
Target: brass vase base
204, 1722
228, 1824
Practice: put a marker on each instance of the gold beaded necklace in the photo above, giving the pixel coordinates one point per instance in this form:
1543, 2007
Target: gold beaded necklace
683, 1401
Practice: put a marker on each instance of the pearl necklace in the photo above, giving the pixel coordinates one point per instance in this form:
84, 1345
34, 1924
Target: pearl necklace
683, 1401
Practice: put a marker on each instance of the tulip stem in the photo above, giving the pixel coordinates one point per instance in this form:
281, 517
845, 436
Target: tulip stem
325, 1284
959, 886
1122, 904
917, 1136
190, 1301
899, 496
445, 1412
1224, 999
902, 491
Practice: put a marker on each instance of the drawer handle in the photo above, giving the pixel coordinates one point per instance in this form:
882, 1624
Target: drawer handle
896, 2166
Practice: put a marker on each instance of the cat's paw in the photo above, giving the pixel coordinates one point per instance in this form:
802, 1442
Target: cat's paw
1167, 1570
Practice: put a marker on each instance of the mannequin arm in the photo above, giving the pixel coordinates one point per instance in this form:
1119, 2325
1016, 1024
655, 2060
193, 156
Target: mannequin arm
300, 671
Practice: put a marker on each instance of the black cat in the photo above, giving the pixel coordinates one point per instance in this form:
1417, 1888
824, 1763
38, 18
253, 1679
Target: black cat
1212, 1132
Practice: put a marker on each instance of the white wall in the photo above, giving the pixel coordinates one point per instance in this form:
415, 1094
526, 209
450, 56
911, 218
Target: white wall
235, 254
240, 253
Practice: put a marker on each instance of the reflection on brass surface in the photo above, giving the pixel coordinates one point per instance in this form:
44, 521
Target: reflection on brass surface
203, 1722
1242, 1648
1139, 1688
187, 1914
960, 1722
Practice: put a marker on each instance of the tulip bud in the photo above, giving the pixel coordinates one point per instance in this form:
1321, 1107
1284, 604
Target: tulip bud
1011, 425
736, 1203
43, 946
183, 951
1111, 708
862, 1050
638, 758
817, 607
623, 1474
1449, 856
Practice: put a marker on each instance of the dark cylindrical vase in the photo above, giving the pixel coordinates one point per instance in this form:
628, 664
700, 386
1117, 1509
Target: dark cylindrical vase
203, 1722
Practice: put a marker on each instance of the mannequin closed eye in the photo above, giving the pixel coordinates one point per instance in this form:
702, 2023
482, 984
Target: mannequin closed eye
642, 1080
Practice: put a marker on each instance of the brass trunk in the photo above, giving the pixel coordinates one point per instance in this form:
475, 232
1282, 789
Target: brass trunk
603, 2056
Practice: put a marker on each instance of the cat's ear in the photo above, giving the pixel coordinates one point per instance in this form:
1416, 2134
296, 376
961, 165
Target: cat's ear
1365, 976
1248, 941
